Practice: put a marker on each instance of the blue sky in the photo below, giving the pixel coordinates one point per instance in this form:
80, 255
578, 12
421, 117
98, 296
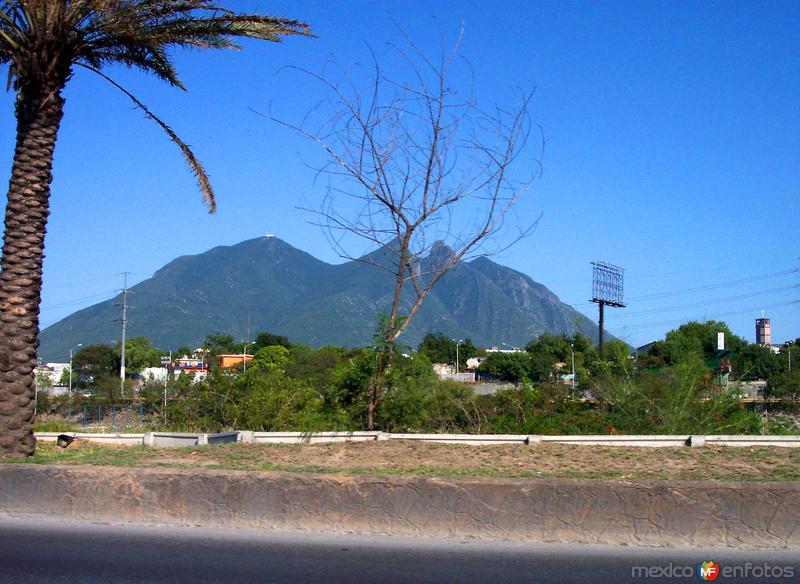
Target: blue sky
673, 150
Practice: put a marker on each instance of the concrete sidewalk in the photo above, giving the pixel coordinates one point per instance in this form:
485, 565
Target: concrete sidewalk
642, 513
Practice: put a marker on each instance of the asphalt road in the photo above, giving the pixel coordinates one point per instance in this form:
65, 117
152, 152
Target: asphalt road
49, 551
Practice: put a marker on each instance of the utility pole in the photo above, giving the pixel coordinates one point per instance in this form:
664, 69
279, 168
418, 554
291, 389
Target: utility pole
458, 342
572, 348
166, 378
124, 326
244, 355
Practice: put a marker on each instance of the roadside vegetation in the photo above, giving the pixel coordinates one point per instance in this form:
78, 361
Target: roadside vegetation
677, 388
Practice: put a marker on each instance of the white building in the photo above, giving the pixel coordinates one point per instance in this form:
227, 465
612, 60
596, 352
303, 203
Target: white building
49, 374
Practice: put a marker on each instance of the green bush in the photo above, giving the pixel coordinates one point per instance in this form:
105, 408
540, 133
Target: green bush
541, 409
681, 399
326, 389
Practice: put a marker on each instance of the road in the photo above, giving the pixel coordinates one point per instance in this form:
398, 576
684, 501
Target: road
53, 552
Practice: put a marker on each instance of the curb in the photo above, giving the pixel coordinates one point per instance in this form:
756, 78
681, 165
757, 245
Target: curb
165, 439
641, 513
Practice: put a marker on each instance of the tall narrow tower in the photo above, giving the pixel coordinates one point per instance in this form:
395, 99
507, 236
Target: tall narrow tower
763, 332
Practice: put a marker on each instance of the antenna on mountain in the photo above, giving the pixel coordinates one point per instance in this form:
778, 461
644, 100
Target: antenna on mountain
607, 281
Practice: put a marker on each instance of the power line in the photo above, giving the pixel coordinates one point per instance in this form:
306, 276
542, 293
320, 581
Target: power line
703, 303
73, 283
713, 315
708, 287
714, 286
637, 277
76, 301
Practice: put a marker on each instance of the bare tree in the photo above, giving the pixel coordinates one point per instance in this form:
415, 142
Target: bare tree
419, 170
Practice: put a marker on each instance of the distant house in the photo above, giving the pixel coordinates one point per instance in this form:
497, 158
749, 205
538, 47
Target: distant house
50, 372
234, 360
507, 350
445, 371
475, 362
189, 365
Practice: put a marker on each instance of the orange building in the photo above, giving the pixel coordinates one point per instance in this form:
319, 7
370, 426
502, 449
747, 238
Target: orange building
233, 360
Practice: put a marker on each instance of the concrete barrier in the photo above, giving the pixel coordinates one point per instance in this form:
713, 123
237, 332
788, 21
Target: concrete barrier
188, 438
222, 438
745, 440
474, 439
654, 440
648, 513
165, 439
313, 437
171, 439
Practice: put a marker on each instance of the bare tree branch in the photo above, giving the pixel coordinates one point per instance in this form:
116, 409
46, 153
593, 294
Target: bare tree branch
410, 164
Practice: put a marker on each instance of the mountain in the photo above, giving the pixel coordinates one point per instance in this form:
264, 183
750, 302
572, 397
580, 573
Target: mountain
265, 284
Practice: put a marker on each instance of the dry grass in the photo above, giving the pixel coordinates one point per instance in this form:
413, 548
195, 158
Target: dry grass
426, 459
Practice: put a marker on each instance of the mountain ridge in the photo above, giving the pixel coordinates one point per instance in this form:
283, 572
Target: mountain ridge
265, 284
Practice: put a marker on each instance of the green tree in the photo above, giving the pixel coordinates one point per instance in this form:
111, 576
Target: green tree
219, 343
696, 338
318, 367
271, 357
106, 389
139, 353
351, 381
756, 362
557, 347
42, 42
618, 360
268, 339
93, 362
439, 348
183, 351
786, 386
64, 380
548, 351
514, 367
43, 378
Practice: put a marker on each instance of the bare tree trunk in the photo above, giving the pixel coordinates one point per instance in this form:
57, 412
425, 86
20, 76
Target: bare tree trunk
39, 111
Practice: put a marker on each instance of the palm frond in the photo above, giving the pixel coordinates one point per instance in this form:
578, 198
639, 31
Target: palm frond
40, 39
194, 164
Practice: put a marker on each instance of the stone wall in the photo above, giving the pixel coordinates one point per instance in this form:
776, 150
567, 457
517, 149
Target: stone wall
657, 513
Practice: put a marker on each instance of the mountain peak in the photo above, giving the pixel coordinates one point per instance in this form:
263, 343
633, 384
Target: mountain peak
440, 253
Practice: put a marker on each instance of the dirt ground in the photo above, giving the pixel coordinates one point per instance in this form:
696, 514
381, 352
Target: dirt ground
414, 458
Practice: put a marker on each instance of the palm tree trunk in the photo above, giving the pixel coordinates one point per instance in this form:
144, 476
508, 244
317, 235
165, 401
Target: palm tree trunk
39, 110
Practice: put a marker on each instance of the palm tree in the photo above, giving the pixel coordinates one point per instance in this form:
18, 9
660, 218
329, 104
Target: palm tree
43, 41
